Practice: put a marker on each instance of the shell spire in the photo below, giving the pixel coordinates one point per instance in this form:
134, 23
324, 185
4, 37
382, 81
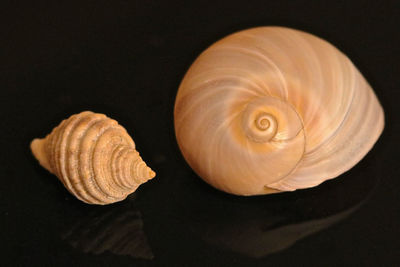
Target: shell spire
94, 157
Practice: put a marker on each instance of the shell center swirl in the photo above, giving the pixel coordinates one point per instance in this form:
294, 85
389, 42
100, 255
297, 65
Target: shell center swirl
264, 121
258, 124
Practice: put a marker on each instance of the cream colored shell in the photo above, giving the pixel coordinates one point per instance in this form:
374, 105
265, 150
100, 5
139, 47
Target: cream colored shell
274, 109
94, 157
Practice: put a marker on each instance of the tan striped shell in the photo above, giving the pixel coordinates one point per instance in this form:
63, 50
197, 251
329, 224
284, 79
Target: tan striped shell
94, 157
273, 109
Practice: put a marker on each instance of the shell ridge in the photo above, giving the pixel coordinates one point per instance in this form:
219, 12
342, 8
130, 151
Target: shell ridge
71, 125
102, 192
114, 162
74, 140
57, 150
107, 186
88, 180
51, 149
104, 170
121, 159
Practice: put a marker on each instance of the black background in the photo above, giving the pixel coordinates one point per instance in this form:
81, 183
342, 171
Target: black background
126, 59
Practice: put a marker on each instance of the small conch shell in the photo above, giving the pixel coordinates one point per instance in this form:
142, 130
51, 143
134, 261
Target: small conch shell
273, 109
94, 157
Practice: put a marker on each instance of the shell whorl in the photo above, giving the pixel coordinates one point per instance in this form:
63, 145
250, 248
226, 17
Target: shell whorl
273, 109
94, 157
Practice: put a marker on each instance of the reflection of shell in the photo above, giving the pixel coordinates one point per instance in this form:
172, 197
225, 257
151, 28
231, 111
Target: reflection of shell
274, 109
259, 228
251, 239
118, 230
94, 157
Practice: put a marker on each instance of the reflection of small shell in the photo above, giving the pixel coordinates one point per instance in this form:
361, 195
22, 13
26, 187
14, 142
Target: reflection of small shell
94, 157
273, 109
118, 230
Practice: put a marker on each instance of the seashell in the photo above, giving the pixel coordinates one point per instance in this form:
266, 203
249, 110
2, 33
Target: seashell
274, 109
94, 157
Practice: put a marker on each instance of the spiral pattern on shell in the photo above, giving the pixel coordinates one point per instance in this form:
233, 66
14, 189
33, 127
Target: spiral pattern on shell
273, 109
94, 157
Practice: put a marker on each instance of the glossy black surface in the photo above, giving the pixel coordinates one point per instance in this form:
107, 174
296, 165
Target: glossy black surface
126, 59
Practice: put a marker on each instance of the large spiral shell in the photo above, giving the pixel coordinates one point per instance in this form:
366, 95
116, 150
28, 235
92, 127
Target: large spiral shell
94, 157
274, 109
